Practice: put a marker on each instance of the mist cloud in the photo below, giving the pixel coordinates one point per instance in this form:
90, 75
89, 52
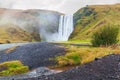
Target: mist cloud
65, 6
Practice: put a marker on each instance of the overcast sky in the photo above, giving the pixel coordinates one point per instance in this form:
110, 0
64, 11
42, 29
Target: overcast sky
64, 6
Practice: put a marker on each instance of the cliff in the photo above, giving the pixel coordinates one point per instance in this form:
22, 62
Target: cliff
88, 19
29, 21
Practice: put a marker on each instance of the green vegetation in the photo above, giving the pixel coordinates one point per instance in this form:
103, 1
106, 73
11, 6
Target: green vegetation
91, 24
78, 42
80, 55
10, 33
105, 36
12, 68
90, 18
74, 42
69, 59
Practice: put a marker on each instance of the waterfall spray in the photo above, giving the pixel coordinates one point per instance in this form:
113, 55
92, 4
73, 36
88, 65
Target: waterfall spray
64, 31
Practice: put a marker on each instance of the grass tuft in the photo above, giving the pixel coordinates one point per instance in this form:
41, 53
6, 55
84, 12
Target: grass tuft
12, 68
80, 55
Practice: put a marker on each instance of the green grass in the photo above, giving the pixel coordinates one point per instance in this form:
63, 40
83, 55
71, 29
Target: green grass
75, 42
79, 41
90, 18
69, 59
80, 55
12, 68
10, 33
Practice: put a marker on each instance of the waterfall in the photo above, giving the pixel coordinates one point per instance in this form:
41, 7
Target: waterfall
65, 28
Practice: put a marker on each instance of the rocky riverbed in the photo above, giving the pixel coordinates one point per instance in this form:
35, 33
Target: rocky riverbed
107, 68
34, 55
37, 57
41, 71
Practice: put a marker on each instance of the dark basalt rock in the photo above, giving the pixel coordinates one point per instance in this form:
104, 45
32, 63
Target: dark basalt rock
41, 71
34, 55
107, 68
38, 54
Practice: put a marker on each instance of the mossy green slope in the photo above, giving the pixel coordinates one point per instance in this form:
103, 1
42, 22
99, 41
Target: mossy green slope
12, 33
88, 19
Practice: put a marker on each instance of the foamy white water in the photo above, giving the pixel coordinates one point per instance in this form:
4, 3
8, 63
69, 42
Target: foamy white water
65, 29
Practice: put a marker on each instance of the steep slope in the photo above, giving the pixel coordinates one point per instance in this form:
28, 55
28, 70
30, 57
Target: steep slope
90, 18
12, 33
32, 21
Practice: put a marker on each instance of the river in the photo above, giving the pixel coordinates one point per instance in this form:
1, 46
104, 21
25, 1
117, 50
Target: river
6, 46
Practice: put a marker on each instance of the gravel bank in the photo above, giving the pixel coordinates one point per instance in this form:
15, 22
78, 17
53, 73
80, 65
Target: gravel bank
107, 68
41, 71
37, 55
34, 54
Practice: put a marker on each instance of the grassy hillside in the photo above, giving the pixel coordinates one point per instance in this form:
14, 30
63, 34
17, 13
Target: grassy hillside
12, 33
33, 21
88, 19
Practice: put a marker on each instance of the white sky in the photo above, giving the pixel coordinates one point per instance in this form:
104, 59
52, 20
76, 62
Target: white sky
64, 6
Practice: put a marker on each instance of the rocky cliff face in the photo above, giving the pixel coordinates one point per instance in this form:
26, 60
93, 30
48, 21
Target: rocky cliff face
31, 21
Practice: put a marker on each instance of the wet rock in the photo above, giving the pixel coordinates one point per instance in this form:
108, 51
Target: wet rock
41, 71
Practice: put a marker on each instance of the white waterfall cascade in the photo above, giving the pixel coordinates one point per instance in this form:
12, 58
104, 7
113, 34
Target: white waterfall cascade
65, 27
64, 30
